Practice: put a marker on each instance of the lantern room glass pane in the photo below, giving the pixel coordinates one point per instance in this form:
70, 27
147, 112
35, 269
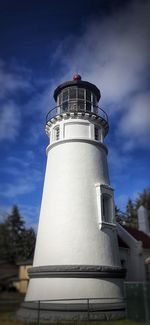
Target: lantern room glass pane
88, 106
81, 105
81, 93
88, 95
94, 100
59, 99
72, 93
65, 95
72, 106
88, 100
64, 107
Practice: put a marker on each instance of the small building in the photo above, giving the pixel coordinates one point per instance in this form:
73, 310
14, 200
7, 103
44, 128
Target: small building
23, 277
14, 277
134, 246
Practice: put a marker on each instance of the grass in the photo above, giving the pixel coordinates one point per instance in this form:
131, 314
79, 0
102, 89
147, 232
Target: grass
8, 318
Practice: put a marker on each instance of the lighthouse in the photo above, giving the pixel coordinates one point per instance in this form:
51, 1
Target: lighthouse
76, 263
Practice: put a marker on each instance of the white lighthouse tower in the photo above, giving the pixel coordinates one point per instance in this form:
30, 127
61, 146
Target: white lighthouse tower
76, 262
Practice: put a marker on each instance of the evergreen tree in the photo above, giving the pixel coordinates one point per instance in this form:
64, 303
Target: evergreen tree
121, 217
3, 242
132, 214
16, 242
27, 244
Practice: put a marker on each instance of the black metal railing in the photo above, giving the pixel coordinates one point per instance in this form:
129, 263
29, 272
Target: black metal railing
86, 305
77, 106
137, 295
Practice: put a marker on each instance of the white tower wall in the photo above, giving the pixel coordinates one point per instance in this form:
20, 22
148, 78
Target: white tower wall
70, 201
69, 231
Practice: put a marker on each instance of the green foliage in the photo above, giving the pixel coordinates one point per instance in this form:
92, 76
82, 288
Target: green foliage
16, 241
130, 216
131, 211
132, 207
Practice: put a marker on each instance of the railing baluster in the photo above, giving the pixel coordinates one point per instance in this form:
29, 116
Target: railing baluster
88, 308
38, 318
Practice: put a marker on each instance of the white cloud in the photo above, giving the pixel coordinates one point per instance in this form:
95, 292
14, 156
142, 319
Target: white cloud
117, 160
37, 107
135, 124
12, 80
10, 121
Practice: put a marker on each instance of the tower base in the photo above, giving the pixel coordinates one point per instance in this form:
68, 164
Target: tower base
54, 312
75, 292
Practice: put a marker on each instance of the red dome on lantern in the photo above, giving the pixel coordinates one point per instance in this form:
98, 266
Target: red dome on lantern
76, 76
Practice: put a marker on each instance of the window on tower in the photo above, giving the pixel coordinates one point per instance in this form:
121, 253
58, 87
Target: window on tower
96, 133
56, 133
105, 205
106, 208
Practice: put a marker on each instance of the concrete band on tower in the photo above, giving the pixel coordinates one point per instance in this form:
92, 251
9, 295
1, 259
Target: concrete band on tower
80, 271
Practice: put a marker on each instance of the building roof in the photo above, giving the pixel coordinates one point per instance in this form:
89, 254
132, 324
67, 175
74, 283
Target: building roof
26, 262
80, 84
139, 235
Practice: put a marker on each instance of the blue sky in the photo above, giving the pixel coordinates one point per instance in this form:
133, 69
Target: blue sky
42, 44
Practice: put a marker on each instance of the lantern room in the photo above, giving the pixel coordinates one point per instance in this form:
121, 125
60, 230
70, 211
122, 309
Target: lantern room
77, 95
77, 99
